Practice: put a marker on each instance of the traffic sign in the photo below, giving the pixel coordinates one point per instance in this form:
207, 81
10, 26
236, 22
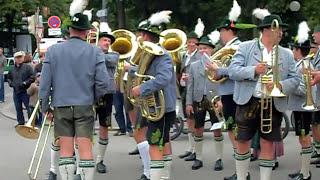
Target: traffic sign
54, 31
54, 22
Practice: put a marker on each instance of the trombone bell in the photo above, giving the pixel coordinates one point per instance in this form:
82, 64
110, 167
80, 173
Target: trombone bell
29, 132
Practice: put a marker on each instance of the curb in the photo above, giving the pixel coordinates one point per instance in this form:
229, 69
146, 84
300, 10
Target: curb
7, 116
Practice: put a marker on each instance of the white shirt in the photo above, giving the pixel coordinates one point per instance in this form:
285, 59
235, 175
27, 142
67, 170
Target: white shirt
189, 57
266, 57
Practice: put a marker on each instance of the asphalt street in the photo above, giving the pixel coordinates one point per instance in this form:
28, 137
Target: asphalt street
16, 153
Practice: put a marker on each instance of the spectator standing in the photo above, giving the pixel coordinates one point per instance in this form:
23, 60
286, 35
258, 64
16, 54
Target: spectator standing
3, 63
20, 79
33, 93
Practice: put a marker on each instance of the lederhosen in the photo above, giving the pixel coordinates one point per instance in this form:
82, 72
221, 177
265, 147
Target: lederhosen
200, 110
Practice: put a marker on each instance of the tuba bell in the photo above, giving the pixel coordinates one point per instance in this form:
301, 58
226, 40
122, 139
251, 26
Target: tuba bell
125, 44
173, 40
223, 59
152, 106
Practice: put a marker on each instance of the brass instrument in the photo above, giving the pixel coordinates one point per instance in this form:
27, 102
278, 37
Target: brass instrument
272, 75
309, 105
173, 40
151, 106
223, 59
219, 114
31, 132
125, 44
93, 34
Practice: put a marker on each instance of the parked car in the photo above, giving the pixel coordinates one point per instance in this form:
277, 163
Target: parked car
9, 66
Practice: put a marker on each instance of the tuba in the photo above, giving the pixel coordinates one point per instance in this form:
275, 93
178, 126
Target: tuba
223, 59
125, 44
151, 106
93, 34
173, 40
271, 75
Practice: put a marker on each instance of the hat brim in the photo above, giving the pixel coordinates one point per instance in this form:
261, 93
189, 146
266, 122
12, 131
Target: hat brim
110, 36
201, 43
283, 25
147, 31
83, 28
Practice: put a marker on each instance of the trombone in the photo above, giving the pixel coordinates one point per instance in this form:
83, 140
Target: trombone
31, 132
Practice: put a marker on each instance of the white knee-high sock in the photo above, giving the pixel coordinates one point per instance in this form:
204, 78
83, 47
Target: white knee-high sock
266, 169
242, 165
218, 142
77, 158
54, 158
102, 146
198, 147
190, 142
167, 167
86, 168
156, 169
66, 168
305, 161
143, 148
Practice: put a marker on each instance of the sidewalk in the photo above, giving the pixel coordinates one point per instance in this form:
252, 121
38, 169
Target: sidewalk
7, 108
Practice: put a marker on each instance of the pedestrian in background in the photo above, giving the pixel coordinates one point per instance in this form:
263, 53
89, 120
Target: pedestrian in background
20, 79
33, 93
3, 63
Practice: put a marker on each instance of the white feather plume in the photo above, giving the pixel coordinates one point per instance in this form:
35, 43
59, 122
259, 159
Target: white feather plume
260, 13
160, 17
104, 27
214, 36
235, 11
77, 6
143, 22
303, 32
199, 28
88, 13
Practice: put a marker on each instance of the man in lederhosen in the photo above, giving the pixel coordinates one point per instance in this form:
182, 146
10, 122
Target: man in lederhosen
200, 92
191, 55
250, 62
76, 72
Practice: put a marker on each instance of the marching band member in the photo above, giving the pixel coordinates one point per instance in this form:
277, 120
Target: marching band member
245, 68
191, 55
73, 110
104, 106
162, 69
198, 100
302, 117
315, 81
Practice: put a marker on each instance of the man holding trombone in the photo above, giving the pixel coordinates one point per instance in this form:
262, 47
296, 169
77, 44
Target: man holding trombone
67, 67
249, 63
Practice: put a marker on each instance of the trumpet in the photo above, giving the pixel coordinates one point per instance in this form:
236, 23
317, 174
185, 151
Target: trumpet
93, 34
31, 132
309, 104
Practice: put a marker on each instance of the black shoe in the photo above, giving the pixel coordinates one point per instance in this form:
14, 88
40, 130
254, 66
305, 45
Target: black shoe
299, 176
52, 176
315, 155
218, 166
315, 161
185, 154
253, 157
276, 165
233, 177
119, 133
134, 152
197, 164
101, 168
191, 157
292, 175
143, 177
